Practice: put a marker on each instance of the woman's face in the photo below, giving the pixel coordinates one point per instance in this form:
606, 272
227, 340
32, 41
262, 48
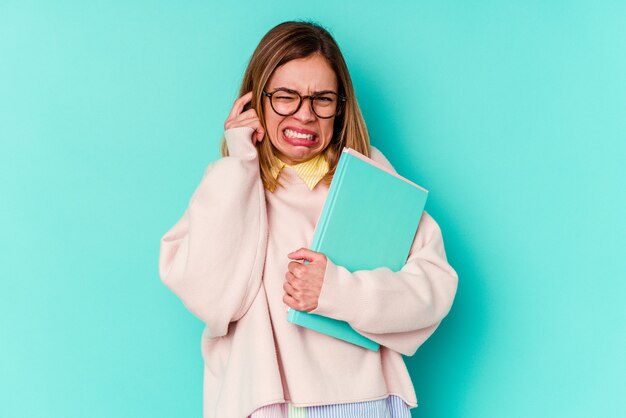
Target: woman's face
306, 76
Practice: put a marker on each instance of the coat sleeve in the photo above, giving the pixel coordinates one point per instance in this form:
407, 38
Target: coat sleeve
213, 257
399, 310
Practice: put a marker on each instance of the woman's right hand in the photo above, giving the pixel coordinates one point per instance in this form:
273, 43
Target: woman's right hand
249, 118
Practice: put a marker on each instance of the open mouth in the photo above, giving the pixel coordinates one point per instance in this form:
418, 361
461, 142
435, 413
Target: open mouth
297, 135
299, 138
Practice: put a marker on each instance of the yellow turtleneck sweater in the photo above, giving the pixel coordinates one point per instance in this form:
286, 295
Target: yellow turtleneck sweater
311, 171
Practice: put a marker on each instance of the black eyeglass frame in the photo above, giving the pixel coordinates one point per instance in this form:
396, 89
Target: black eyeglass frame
340, 100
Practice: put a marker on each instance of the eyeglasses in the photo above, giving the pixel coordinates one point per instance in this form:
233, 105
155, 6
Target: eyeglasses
287, 102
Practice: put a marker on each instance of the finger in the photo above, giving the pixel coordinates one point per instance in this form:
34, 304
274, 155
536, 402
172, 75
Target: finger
250, 113
291, 279
296, 269
290, 290
294, 302
291, 302
257, 135
245, 117
249, 123
303, 254
239, 105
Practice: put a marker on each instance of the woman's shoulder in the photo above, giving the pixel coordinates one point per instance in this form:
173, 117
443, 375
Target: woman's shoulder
379, 157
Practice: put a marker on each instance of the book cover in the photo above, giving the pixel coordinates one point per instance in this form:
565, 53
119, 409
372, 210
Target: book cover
368, 221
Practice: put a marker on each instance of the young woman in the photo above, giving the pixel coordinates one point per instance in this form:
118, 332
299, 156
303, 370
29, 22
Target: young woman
235, 258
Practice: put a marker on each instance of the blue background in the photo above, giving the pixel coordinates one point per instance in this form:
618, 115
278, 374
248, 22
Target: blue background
511, 113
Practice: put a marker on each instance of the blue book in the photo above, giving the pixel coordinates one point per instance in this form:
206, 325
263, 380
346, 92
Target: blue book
369, 220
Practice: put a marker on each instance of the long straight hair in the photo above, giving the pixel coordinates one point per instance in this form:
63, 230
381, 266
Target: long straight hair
294, 40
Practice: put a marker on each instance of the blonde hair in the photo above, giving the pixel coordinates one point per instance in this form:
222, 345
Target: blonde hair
294, 40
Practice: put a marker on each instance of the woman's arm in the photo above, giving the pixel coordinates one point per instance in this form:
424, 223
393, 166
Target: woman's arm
399, 310
213, 257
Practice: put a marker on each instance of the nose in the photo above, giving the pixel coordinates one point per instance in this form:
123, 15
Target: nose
305, 113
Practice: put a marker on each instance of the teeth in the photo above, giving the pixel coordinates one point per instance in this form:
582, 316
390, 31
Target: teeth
294, 134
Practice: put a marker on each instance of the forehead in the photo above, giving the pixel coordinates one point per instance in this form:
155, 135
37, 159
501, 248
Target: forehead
305, 75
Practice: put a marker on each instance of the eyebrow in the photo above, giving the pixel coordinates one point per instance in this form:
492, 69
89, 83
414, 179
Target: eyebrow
313, 93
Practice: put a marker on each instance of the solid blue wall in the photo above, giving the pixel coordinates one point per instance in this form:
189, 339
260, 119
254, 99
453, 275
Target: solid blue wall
511, 113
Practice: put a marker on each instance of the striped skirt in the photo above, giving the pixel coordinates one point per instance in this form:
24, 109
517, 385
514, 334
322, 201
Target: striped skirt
390, 407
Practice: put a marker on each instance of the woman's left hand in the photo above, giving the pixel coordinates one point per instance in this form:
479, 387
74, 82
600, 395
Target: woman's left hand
304, 281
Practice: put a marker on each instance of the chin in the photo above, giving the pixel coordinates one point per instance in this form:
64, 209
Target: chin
299, 153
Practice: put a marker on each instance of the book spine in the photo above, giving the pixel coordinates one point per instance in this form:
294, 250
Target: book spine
332, 327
